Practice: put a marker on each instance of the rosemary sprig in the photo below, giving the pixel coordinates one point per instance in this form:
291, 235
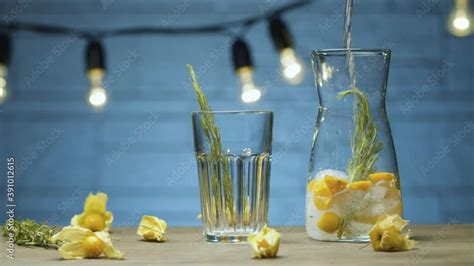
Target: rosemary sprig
30, 233
218, 161
365, 144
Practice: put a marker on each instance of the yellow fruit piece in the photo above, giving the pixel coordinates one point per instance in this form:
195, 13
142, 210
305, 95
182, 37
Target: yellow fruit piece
79, 242
335, 184
92, 246
95, 215
152, 228
381, 176
360, 185
321, 194
94, 222
312, 184
329, 222
265, 243
322, 203
386, 234
324, 188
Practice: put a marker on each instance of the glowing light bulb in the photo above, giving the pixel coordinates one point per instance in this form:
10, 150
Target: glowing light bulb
3, 84
460, 19
291, 66
97, 96
250, 92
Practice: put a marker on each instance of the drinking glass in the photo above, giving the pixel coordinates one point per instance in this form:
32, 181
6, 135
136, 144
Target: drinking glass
353, 175
235, 182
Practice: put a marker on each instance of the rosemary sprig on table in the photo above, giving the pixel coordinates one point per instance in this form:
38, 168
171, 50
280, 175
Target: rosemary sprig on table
365, 144
218, 161
30, 233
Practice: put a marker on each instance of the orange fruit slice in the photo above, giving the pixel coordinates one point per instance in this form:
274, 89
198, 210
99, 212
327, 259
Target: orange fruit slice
360, 185
381, 176
335, 184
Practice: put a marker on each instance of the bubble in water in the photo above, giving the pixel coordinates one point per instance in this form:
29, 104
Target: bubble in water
247, 152
227, 151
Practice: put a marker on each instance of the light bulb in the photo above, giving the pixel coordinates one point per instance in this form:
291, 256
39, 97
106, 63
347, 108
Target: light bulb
250, 92
460, 19
97, 96
291, 66
3, 84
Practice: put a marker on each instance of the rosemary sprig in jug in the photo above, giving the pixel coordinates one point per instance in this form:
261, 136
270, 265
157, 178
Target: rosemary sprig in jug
364, 144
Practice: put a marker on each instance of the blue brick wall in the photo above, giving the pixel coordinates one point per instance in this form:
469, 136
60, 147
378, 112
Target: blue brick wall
139, 150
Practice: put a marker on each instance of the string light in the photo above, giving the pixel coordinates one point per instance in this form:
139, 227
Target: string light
4, 60
244, 69
291, 66
460, 19
97, 95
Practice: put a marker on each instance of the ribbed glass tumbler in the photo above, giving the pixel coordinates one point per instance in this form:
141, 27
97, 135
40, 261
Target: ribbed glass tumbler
234, 174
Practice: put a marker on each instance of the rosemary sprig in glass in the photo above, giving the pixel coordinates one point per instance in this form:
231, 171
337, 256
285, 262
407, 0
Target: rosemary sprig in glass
30, 233
218, 161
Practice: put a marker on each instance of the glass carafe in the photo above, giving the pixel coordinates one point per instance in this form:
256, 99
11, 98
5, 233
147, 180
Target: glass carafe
353, 175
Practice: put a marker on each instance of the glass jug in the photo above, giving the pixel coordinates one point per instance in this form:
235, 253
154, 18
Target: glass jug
353, 175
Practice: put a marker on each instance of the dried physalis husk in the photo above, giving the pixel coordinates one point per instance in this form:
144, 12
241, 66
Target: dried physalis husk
95, 216
79, 243
265, 243
152, 228
386, 234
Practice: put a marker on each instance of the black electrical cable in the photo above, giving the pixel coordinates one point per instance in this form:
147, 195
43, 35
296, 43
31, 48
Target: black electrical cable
223, 27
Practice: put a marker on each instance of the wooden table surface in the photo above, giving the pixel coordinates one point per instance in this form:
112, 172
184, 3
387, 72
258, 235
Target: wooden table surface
437, 244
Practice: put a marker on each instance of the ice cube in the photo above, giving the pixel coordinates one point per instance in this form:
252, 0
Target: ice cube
331, 172
357, 228
378, 193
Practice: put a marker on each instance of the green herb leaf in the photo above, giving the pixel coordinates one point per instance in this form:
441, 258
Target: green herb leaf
365, 144
218, 161
30, 233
